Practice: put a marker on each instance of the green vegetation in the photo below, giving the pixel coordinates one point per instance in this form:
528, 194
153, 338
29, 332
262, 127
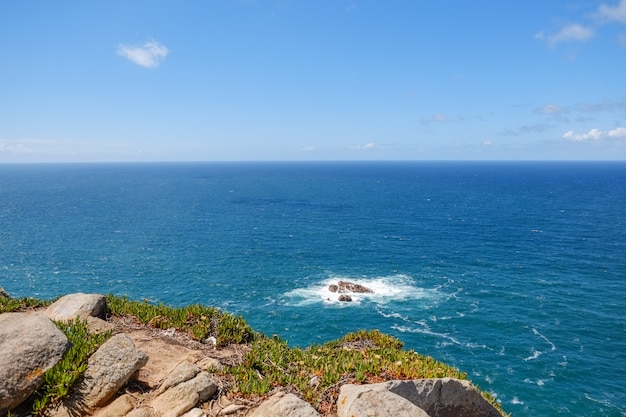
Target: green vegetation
198, 321
59, 380
316, 372
8, 304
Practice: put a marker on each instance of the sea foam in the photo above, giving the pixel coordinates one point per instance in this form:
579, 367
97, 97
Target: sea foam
384, 290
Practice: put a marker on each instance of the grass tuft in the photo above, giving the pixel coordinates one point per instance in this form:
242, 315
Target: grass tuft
10, 305
196, 320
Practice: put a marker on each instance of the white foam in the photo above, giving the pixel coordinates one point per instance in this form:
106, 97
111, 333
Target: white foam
538, 382
535, 355
552, 346
516, 400
385, 289
446, 337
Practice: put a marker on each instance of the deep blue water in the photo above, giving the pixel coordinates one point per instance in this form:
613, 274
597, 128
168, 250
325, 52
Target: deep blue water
513, 272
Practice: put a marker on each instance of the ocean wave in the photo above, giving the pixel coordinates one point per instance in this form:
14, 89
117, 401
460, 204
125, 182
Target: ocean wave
548, 341
536, 353
446, 337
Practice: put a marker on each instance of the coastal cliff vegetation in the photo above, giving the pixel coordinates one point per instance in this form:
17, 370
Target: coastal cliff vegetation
315, 372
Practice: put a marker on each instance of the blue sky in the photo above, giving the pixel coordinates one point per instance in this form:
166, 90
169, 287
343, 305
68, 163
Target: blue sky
312, 80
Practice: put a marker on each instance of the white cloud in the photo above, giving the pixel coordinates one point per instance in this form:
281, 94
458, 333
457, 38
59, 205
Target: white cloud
14, 148
308, 149
551, 109
573, 32
438, 117
616, 13
620, 132
148, 55
595, 135
592, 135
366, 147
487, 143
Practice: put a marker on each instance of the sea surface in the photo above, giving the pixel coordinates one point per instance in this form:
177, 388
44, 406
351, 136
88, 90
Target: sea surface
513, 272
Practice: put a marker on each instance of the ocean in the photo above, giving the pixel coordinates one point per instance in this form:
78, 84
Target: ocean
514, 272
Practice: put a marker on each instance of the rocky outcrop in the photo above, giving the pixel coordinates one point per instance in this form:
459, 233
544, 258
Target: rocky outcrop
437, 397
30, 344
444, 397
347, 286
375, 400
183, 389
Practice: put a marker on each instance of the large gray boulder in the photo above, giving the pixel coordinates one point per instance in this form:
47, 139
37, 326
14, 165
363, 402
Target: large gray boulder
374, 400
77, 305
108, 369
30, 344
444, 397
284, 405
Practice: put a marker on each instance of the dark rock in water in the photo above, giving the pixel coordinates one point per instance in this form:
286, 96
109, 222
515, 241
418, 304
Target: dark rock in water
4, 294
344, 297
333, 288
346, 286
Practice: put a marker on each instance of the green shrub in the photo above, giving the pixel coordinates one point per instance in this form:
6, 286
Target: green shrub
8, 305
360, 357
196, 320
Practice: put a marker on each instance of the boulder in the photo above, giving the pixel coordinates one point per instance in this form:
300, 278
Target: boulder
345, 298
374, 400
284, 405
119, 407
333, 288
444, 397
184, 371
108, 369
30, 344
77, 305
181, 398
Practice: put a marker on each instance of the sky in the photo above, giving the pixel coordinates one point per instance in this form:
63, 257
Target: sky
241, 80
